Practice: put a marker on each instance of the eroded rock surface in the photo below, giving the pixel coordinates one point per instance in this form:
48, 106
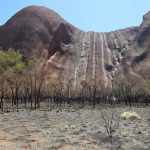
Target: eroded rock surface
68, 53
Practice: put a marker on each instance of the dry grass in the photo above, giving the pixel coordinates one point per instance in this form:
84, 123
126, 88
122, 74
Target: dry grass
130, 115
79, 129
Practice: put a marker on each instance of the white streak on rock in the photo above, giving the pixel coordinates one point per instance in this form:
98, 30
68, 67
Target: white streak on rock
120, 37
81, 69
53, 57
85, 55
102, 59
94, 59
115, 40
108, 50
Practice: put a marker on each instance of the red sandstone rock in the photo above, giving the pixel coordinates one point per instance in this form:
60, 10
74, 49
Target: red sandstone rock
68, 53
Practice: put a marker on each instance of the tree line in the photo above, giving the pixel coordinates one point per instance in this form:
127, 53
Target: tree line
21, 82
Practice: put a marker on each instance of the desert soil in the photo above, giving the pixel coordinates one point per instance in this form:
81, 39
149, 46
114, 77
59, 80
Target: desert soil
72, 129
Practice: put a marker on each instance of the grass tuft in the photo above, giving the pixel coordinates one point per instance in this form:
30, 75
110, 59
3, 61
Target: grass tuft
130, 115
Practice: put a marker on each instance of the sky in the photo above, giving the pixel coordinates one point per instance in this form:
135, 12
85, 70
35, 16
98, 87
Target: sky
88, 15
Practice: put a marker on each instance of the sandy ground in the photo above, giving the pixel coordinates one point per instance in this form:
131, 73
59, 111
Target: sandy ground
70, 129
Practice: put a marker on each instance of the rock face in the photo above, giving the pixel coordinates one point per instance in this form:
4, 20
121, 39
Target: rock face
144, 31
33, 31
136, 63
73, 55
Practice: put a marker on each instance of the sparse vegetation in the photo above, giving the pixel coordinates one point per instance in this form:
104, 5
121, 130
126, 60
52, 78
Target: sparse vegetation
23, 82
110, 119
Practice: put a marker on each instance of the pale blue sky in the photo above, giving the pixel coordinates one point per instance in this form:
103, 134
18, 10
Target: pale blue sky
89, 15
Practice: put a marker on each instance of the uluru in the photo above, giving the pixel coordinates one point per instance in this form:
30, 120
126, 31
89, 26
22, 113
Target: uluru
69, 53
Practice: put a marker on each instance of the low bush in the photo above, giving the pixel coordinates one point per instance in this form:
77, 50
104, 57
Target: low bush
130, 115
